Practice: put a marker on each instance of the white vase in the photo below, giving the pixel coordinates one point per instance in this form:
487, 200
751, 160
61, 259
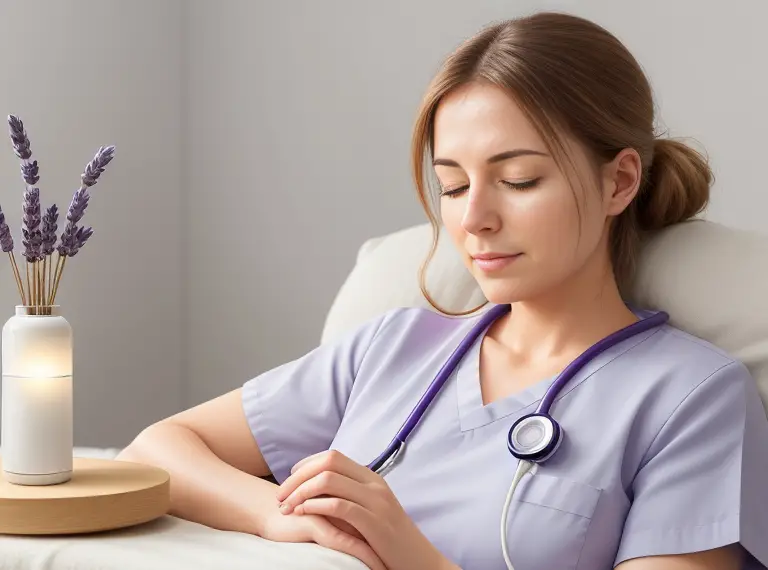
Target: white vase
36, 441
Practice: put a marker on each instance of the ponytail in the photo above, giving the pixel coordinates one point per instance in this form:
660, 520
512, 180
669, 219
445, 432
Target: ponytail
678, 186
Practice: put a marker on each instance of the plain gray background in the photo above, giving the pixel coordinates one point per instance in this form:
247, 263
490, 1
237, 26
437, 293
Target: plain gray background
259, 143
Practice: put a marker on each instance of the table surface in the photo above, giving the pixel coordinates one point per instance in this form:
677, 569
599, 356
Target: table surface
102, 494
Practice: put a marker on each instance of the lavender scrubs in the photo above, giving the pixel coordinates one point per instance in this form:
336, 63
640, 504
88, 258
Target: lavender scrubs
665, 448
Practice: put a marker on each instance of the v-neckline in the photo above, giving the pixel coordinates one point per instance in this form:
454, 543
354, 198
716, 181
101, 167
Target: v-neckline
474, 414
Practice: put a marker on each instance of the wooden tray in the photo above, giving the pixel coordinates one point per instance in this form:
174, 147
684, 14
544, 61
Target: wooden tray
103, 494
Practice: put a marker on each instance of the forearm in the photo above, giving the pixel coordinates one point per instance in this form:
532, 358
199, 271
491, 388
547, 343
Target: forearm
204, 488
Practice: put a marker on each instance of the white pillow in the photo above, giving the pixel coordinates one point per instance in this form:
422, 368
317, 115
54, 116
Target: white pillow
712, 280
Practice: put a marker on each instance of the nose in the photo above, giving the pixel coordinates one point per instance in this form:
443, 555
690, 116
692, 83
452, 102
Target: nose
482, 212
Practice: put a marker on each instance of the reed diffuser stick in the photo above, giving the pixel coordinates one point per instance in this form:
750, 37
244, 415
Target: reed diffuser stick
40, 283
50, 280
57, 279
53, 278
16, 275
29, 284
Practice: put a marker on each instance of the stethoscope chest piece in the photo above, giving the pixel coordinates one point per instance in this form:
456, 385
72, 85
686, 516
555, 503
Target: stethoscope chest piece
534, 437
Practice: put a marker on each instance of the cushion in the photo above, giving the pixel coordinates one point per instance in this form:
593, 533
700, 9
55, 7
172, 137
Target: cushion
711, 279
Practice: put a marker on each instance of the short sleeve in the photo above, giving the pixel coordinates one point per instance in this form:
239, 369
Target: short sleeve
703, 481
295, 410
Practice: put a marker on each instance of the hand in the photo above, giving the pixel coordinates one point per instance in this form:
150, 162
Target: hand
312, 528
332, 485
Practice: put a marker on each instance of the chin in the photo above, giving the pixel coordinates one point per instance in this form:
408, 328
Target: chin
504, 291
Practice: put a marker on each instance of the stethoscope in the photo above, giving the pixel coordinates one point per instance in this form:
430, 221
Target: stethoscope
534, 437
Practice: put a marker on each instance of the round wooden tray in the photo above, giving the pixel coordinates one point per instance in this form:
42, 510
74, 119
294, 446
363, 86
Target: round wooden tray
103, 494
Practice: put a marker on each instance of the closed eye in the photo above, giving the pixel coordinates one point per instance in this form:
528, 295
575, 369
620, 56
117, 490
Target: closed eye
525, 185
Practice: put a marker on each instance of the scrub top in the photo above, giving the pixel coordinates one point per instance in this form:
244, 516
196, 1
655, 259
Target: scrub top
665, 448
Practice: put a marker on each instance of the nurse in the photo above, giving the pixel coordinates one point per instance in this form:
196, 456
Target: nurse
540, 135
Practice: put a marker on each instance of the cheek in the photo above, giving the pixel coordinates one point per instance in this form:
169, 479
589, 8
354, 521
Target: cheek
546, 222
563, 231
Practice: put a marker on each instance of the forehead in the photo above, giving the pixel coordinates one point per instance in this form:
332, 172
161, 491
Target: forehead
481, 119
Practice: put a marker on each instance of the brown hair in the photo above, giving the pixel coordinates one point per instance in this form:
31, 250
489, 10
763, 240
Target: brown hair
570, 75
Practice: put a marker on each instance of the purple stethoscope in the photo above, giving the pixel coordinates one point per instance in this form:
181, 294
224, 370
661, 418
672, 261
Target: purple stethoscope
534, 437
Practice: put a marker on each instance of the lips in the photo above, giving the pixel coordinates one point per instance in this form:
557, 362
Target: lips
493, 262
492, 255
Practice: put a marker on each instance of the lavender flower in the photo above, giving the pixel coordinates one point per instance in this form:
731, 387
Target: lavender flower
94, 168
30, 172
6, 238
73, 240
19, 138
81, 237
74, 214
78, 205
72, 235
89, 178
49, 230
68, 240
32, 236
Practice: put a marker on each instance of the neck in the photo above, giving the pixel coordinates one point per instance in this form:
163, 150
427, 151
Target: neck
566, 319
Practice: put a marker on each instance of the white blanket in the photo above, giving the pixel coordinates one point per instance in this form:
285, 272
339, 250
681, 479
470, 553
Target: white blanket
169, 543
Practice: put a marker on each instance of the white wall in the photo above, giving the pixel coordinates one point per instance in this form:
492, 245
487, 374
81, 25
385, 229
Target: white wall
300, 115
81, 74
260, 142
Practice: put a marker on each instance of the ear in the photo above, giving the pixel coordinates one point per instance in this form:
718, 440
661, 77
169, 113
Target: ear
621, 181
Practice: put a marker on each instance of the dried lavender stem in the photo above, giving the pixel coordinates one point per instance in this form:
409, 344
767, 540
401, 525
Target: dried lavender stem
40, 283
29, 287
50, 281
53, 279
35, 283
58, 279
17, 276
44, 295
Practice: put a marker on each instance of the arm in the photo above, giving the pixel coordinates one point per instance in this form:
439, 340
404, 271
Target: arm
213, 461
725, 558
216, 468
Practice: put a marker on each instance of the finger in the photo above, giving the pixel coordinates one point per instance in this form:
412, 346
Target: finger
327, 461
306, 459
327, 535
345, 526
351, 513
331, 484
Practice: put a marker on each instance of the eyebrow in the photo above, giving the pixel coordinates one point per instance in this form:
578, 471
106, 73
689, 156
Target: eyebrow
507, 155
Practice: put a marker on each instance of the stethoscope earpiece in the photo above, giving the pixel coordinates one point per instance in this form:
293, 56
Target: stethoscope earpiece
534, 437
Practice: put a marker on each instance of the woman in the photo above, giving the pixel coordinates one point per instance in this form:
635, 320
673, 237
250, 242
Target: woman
540, 133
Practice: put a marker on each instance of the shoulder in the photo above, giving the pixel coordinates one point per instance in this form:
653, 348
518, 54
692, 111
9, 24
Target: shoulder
417, 321
700, 425
681, 362
405, 337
